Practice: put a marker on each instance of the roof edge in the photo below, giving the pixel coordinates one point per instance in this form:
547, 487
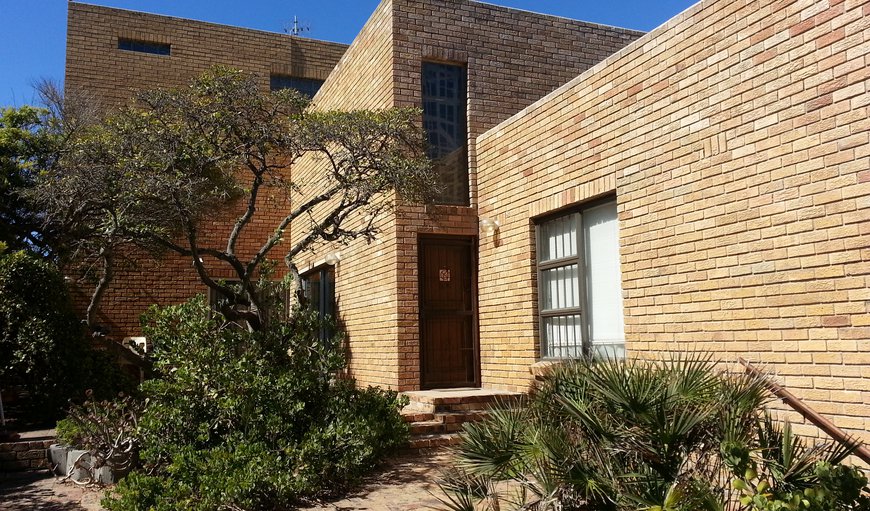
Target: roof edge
637, 43
183, 19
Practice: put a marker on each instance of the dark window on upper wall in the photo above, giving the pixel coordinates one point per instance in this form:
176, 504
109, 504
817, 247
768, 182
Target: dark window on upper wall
444, 119
319, 286
144, 46
308, 87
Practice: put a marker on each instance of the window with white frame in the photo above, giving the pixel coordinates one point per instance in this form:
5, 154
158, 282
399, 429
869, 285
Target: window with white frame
579, 284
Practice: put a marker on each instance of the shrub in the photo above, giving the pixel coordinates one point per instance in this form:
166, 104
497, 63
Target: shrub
251, 420
42, 347
634, 435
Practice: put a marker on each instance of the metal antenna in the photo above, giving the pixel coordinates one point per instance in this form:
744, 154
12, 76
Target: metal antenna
296, 28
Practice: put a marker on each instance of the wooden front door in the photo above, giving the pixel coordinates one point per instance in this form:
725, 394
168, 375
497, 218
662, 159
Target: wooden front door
448, 303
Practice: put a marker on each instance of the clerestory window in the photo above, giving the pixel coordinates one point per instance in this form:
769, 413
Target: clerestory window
308, 87
151, 47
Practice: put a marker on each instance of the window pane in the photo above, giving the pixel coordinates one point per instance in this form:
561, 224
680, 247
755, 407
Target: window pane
320, 290
444, 89
143, 46
559, 238
561, 287
308, 87
603, 279
562, 337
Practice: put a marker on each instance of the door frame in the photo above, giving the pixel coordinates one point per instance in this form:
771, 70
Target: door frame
471, 242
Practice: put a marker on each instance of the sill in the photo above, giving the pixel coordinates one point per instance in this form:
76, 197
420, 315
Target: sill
544, 368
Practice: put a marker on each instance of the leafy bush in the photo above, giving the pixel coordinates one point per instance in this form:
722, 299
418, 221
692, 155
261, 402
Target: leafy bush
251, 420
42, 347
776, 470
634, 435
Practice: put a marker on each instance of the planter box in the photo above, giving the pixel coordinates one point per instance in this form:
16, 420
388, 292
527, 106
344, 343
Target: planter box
63, 458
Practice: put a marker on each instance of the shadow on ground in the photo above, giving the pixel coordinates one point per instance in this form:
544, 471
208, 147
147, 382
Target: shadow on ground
33, 492
406, 482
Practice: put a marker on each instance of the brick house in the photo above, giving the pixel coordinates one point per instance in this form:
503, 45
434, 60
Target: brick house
705, 186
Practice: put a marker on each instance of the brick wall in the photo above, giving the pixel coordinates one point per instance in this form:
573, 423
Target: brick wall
735, 138
513, 57
366, 276
24, 455
96, 67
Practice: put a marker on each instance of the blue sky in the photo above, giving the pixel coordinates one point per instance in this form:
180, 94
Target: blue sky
34, 31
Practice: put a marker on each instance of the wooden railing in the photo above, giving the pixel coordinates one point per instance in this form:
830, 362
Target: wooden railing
808, 413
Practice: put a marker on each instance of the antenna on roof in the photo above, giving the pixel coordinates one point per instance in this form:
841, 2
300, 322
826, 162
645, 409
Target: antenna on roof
296, 28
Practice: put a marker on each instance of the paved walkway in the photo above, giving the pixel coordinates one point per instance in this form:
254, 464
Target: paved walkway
41, 491
407, 483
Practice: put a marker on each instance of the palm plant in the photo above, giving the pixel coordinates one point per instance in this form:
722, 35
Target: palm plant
777, 470
611, 435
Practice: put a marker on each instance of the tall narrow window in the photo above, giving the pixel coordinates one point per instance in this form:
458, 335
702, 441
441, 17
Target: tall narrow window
444, 119
308, 87
320, 291
579, 284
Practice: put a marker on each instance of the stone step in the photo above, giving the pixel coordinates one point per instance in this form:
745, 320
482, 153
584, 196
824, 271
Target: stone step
24, 455
432, 441
457, 400
435, 417
434, 427
411, 416
462, 417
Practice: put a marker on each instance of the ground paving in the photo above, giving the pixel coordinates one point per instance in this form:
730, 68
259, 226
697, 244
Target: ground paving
40, 491
406, 483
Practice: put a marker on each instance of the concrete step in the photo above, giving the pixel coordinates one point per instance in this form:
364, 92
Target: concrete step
457, 400
432, 441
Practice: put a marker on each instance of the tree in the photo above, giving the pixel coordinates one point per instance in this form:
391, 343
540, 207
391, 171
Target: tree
26, 146
148, 175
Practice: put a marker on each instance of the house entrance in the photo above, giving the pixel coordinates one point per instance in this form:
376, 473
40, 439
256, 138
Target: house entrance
448, 306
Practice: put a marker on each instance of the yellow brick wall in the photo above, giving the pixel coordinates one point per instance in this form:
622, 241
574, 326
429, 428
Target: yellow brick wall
735, 138
366, 275
513, 57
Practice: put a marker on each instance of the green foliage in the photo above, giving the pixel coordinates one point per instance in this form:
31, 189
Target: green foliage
27, 146
42, 348
251, 420
777, 471
40, 343
643, 435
